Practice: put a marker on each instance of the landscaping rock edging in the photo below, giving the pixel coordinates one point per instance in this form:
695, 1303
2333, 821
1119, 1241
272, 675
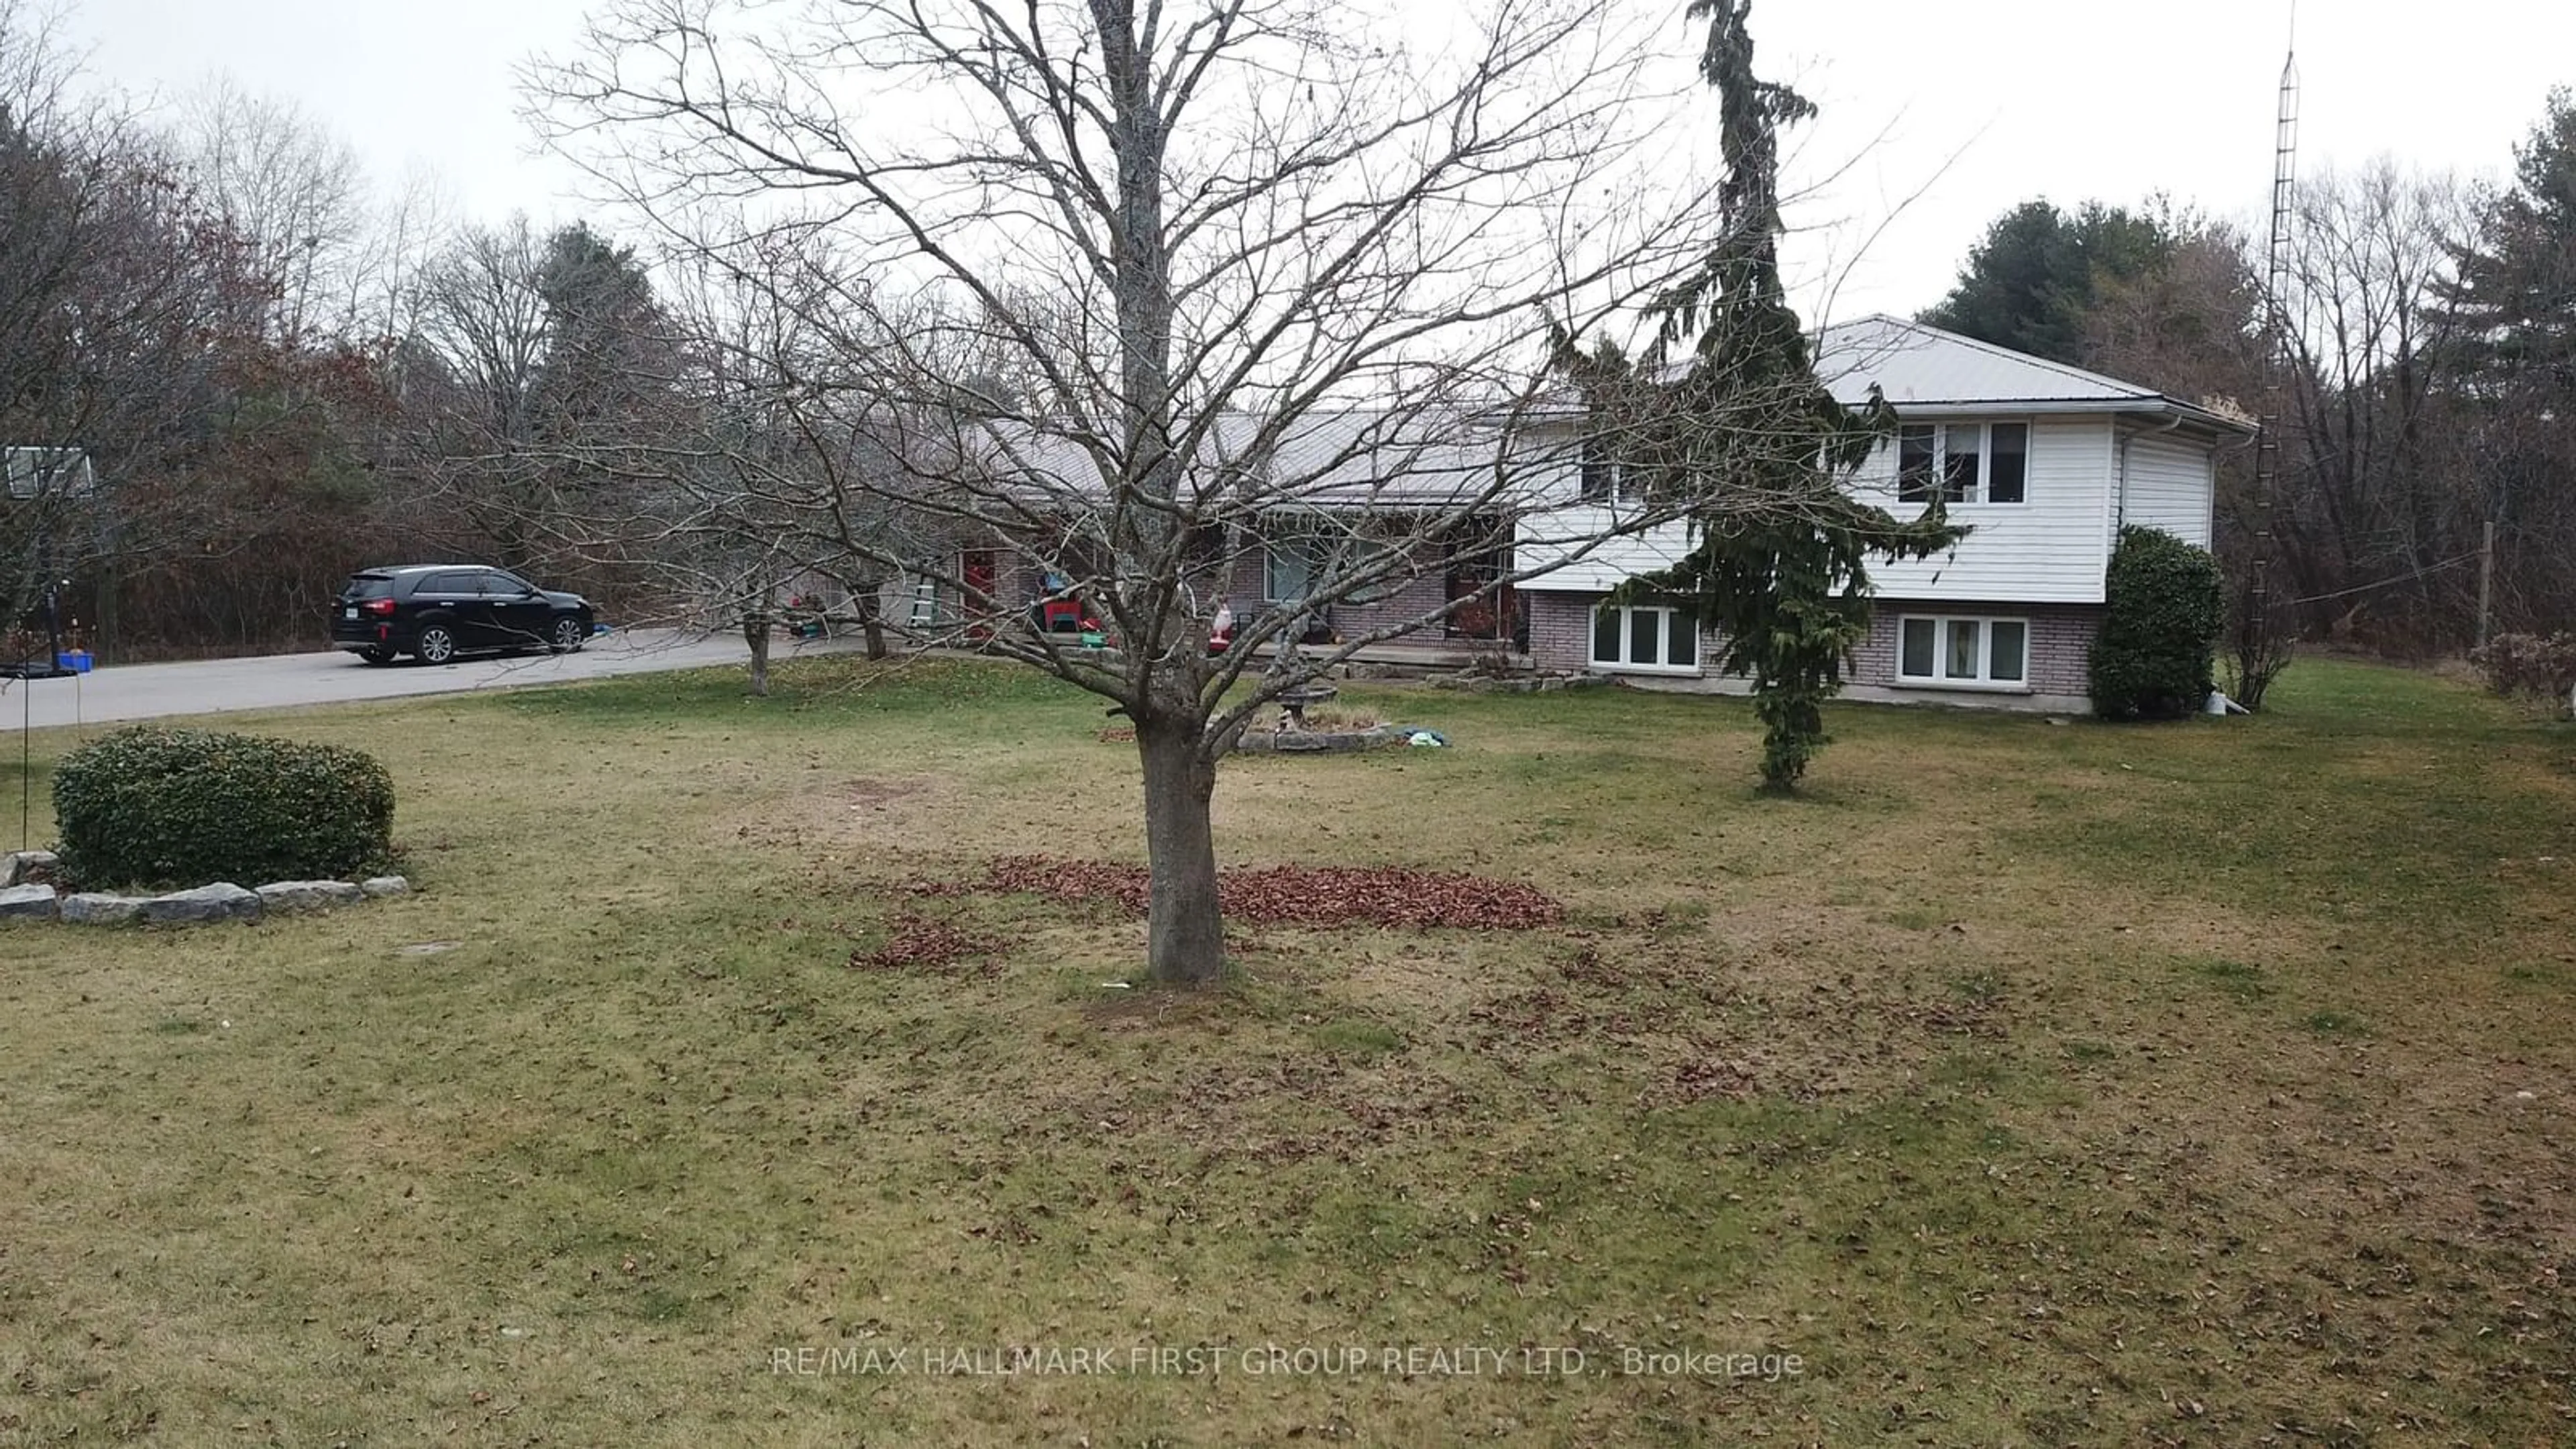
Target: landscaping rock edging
308, 895
1316, 742
93, 908
221, 901
20, 867
1519, 683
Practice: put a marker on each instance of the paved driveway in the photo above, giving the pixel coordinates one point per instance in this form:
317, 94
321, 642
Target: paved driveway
283, 681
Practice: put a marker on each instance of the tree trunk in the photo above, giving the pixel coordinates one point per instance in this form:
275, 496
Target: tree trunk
755, 632
871, 620
1185, 937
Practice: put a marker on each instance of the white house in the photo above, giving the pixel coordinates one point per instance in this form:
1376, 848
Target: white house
2046, 463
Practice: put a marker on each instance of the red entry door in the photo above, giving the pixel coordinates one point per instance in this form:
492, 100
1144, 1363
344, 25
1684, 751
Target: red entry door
977, 567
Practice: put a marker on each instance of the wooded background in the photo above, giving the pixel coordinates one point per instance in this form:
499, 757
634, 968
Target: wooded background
279, 370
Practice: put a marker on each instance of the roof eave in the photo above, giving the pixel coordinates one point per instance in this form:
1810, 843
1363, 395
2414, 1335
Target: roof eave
2151, 406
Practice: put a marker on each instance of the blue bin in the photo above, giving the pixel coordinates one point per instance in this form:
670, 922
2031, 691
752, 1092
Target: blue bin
77, 661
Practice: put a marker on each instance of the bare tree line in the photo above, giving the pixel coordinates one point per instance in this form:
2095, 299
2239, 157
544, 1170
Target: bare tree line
233, 367
2428, 391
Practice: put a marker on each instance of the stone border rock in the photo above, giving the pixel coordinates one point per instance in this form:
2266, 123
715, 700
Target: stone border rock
1323, 742
1520, 683
222, 901
19, 867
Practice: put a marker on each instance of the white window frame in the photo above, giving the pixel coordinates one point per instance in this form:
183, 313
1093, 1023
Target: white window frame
1940, 677
1618, 483
1975, 494
1663, 616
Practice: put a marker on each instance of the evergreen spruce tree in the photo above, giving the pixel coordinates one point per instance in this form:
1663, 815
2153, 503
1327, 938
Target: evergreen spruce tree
2511, 312
2515, 297
1779, 546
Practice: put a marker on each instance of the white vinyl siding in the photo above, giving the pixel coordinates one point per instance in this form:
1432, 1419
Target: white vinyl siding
1543, 536
2170, 486
1963, 652
2051, 547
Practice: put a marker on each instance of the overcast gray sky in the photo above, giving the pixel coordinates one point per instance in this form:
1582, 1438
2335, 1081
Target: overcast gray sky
2063, 99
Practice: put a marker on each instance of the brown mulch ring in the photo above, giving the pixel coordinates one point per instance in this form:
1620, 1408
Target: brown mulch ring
1295, 895
918, 942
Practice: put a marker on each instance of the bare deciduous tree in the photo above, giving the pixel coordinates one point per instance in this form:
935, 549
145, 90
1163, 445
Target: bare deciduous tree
1138, 299
120, 299
2371, 251
291, 195
779, 480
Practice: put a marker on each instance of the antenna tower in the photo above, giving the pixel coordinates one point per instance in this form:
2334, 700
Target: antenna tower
2276, 326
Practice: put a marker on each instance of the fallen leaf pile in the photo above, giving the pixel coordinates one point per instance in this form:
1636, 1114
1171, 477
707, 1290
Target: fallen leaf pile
1697, 1081
918, 941
1332, 895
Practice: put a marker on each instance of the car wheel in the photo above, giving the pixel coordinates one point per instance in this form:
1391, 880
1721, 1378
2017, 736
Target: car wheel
377, 656
436, 645
569, 634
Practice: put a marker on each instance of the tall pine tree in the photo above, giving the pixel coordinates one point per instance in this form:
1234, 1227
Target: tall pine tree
2035, 281
1741, 426
2515, 296
2512, 308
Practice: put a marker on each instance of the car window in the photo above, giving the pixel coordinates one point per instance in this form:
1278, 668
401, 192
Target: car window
458, 582
367, 586
497, 582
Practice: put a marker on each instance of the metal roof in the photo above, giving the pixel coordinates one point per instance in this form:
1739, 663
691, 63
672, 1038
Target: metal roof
1428, 458
1336, 459
1916, 366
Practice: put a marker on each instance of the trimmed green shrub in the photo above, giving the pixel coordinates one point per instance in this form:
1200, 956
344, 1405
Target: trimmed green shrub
181, 807
2165, 605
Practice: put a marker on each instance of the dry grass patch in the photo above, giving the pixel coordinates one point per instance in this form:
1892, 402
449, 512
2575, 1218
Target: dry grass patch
2027, 1097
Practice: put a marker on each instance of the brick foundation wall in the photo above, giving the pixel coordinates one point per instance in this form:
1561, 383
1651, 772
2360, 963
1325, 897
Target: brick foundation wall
1426, 590
1243, 582
1560, 630
2061, 641
1412, 599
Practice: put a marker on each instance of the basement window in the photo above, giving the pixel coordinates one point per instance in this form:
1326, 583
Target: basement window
1955, 651
1651, 638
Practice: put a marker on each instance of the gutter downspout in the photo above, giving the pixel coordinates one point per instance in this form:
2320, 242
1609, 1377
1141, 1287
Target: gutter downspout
2221, 450
2120, 508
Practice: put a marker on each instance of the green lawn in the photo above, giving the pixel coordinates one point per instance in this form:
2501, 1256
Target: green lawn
2030, 1083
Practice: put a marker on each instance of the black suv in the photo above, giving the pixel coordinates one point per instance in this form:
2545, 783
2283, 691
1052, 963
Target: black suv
438, 611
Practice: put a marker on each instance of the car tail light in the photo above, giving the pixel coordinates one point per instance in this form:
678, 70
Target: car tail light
378, 606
